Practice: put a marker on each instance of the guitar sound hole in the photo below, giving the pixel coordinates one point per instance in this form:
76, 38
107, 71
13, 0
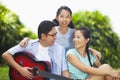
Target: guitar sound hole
21, 64
35, 71
19, 74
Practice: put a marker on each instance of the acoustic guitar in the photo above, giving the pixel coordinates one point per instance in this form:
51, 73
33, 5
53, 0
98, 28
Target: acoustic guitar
41, 69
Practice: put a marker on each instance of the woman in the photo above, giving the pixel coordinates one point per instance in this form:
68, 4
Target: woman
83, 65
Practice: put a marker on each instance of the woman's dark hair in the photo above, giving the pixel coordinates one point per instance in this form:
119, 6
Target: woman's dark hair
71, 25
86, 33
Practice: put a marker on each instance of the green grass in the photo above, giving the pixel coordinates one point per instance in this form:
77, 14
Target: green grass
4, 71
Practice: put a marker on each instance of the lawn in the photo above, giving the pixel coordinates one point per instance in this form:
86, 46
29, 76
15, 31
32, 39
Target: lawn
4, 71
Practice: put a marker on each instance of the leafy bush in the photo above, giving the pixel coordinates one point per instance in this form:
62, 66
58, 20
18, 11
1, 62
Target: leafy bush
11, 30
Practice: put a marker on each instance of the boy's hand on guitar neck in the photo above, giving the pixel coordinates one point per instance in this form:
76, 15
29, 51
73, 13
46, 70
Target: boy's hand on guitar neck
25, 71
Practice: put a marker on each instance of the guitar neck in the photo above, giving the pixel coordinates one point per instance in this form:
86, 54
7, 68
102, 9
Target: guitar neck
38, 72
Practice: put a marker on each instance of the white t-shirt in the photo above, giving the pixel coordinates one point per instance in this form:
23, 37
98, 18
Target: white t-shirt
42, 54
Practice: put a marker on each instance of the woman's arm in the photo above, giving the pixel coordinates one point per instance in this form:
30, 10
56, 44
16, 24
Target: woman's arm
81, 66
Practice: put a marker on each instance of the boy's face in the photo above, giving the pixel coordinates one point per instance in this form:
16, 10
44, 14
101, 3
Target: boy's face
50, 37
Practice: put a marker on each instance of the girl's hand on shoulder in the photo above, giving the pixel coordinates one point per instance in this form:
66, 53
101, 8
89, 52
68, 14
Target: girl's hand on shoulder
96, 53
24, 42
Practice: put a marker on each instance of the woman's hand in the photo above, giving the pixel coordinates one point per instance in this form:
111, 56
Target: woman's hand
24, 42
115, 75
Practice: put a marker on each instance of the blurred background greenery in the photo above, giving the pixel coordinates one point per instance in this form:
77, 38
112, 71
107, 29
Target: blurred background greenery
12, 30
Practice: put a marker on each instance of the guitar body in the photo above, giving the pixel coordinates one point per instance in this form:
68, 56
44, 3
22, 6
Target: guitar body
26, 60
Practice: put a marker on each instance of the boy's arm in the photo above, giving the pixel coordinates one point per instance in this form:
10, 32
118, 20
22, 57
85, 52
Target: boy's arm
23, 70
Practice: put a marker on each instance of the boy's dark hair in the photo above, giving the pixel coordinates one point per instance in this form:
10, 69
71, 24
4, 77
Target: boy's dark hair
45, 27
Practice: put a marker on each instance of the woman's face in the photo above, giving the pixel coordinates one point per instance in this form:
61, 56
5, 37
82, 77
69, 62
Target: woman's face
79, 40
64, 18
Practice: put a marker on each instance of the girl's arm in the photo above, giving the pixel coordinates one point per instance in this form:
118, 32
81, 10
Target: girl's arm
97, 63
96, 53
24, 42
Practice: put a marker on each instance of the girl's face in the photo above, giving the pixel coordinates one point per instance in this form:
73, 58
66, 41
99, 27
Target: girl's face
79, 40
64, 18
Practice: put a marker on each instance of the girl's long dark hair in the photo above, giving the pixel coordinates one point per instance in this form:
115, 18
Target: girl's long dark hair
71, 25
86, 34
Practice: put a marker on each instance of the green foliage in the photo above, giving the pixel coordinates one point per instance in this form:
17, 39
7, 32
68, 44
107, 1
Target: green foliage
103, 38
11, 30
